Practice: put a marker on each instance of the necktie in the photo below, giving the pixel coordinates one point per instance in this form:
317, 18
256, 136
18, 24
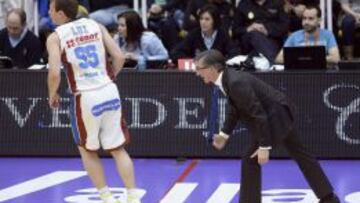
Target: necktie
213, 118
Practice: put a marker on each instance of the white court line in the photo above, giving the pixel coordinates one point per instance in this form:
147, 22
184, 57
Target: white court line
224, 193
39, 183
179, 193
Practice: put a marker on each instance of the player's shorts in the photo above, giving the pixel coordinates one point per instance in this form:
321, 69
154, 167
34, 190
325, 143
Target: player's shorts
96, 118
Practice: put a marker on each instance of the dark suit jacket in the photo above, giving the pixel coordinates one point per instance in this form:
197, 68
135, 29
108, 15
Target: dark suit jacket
271, 14
265, 111
194, 43
27, 53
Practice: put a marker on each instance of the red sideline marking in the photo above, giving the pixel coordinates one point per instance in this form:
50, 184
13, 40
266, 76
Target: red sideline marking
187, 171
184, 174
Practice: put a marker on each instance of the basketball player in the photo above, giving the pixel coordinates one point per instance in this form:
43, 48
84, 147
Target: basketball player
81, 46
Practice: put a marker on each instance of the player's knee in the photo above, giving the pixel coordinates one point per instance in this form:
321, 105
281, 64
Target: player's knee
118, 151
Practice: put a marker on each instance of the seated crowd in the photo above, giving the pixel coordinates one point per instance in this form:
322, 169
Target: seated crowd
179, 29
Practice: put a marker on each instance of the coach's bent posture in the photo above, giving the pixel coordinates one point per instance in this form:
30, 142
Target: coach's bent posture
267, 114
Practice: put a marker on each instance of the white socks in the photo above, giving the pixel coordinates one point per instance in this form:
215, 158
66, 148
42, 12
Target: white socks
132, 192
106, 195
104, 190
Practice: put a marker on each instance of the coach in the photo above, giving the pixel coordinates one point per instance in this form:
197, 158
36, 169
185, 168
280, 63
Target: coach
267, 113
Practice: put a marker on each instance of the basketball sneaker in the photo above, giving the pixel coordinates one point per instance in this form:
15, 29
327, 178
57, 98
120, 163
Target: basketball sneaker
133, 199
108, 198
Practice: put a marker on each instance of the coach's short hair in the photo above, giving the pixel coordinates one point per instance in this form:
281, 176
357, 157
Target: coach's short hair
213, 58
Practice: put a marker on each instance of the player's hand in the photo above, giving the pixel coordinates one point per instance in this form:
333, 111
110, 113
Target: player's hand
219, 141
262, 155
54, 101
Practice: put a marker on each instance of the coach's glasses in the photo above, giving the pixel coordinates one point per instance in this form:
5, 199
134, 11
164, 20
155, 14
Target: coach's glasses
203, 67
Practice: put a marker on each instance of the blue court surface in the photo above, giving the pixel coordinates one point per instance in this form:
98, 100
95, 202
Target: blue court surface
59, 180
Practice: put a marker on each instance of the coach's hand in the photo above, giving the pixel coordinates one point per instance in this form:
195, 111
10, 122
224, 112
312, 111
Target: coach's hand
262, 155
220, 140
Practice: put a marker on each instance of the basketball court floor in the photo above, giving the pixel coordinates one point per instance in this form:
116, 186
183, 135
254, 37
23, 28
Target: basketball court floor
63, 180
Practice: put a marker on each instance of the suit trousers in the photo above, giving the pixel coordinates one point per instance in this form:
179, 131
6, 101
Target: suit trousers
256, 41
250, 191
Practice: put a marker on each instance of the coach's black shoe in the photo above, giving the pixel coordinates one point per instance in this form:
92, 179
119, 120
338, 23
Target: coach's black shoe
331, 198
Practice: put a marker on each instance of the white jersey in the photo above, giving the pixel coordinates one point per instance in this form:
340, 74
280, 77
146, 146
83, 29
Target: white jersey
83, 55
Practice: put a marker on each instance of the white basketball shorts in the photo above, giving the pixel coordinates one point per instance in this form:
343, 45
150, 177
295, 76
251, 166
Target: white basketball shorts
96, 118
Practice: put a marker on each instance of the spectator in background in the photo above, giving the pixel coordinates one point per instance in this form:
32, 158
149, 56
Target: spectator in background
313, 35
165, 20
105, 12
18, 43
295, 9
5, 7
350, 20
27, 5
226, 10
46, 24
260, 26
174, 8
191, 19
210, 35
136, 42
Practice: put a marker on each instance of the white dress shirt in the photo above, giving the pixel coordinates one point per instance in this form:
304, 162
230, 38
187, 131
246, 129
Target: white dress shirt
218, 83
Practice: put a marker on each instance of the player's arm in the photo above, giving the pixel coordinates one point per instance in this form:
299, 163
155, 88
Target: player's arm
54, 77
118, 57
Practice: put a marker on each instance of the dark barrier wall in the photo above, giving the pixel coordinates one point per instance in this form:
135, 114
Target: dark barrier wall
166, 113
